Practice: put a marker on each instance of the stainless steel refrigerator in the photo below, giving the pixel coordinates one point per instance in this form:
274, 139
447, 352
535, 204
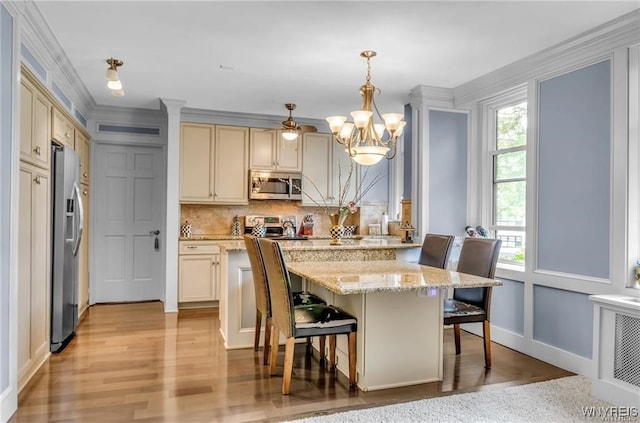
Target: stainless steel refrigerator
67, 224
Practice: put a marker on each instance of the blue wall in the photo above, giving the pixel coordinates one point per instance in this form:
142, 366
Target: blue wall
6, 116
574, 172
563, 319
447, 172
507, 306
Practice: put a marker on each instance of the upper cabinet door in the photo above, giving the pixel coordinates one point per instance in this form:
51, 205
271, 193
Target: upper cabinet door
262, 149
82, 148
231, 161
288, 153
35, 126
269, 151
196, 163
62, 129
316, 181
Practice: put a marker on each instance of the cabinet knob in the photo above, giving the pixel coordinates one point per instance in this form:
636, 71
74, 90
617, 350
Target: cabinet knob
66, 134
37, 180
85, 192
85, 174
37, 150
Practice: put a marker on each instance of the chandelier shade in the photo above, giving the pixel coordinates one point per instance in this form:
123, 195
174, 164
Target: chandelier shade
365, 141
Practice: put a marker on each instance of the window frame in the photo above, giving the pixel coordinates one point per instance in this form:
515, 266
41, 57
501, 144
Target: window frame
489, 111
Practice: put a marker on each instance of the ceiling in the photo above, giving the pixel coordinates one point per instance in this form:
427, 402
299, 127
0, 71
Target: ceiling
254, 57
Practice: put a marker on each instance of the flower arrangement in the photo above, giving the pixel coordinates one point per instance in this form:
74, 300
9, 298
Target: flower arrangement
345, 206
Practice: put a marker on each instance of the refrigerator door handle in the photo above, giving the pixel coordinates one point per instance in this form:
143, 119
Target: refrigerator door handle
80, 220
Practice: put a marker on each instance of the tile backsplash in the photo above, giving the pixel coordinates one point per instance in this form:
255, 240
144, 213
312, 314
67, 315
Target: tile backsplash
218, 219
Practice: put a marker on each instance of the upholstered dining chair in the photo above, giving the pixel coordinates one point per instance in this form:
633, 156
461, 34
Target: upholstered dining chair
436, 250
263, 303
304, 321
479, 257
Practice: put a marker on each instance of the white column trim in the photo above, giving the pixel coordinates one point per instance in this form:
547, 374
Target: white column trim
173, 109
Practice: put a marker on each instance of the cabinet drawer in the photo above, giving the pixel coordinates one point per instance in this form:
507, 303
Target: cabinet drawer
198, 247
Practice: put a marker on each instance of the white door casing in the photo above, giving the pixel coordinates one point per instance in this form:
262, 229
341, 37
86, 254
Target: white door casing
129, 204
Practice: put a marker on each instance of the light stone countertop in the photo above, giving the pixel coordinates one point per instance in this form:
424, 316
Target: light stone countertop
362, 277
319, 244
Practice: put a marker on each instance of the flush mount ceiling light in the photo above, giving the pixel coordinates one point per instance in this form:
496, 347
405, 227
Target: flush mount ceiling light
112, 77
365, 141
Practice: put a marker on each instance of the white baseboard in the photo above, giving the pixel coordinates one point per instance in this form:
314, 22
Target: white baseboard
8, 404
547, 353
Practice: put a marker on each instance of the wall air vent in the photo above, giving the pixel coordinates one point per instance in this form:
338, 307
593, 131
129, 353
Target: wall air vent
126, 129
627, 349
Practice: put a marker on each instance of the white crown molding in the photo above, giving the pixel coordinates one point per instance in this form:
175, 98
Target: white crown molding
42, 43
245, 119
621, 32
425, 95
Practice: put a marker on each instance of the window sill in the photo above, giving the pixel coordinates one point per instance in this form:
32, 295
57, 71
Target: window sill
511, 267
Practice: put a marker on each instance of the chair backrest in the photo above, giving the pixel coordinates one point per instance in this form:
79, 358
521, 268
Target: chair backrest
436, 250
260, 285
279, 286
479, 257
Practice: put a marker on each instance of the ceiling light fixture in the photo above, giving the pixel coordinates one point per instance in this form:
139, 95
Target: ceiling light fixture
365, 140
112, 77
290, 128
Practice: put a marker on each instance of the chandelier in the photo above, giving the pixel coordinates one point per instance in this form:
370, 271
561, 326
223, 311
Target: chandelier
365, 141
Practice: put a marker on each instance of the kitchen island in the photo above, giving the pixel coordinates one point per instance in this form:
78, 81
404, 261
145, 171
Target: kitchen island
237, 298
399, 310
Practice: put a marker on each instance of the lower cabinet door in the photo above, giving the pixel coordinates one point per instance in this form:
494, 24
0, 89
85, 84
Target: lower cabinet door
197, 278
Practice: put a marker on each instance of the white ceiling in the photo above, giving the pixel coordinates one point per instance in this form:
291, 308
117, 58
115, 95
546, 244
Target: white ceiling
255, 56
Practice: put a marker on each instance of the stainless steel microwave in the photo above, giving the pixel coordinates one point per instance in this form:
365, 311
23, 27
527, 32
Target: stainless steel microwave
267, 185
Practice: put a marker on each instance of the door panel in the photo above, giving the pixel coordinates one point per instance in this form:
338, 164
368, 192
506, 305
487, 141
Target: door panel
130, 207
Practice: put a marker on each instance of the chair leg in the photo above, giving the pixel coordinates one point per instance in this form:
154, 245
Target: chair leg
256, 337
332, 352
309, 347
353, 336
323, 343
267, 341
456, 336
288, 365
486, 329
273, 361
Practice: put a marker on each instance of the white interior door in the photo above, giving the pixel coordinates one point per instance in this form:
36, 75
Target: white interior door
129, 206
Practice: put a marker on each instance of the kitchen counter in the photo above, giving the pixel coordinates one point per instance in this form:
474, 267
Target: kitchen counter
400, 315
237, 299
345, 278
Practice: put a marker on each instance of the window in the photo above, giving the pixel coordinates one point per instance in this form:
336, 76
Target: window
509, 188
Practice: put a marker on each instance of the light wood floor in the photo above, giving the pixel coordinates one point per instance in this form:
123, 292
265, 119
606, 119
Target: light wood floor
132, 362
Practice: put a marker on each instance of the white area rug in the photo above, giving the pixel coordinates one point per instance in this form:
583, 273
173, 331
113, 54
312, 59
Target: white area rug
563, 400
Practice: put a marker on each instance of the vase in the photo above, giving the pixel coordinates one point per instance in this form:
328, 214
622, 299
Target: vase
337, 228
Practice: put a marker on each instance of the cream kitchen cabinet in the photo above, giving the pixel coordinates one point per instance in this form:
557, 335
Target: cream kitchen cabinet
82, 148
83, 257
214, 163
62, 129
327, 165
34, 270
198, 271
269, 151
35, 125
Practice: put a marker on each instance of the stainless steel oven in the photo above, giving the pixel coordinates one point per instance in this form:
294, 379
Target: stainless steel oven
267, 185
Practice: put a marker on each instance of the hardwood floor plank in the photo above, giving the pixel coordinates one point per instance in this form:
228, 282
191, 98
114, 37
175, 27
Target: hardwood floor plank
134, 363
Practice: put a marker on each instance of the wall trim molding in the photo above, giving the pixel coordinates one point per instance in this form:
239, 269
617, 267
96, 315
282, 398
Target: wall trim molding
251, 120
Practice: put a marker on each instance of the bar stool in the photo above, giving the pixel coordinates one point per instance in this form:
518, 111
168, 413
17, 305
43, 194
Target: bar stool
436, 250
479, 257
300, 322
263, 303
